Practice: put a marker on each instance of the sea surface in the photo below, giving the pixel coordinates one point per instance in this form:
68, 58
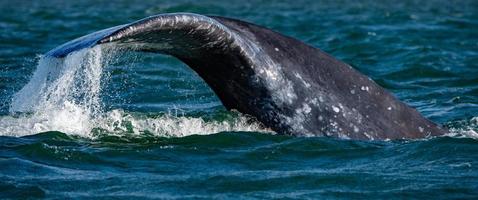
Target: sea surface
141, 126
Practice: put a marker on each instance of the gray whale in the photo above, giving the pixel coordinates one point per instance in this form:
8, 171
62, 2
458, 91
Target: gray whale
289, 86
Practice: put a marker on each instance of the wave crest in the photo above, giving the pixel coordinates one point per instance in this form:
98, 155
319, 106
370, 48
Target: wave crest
118, 122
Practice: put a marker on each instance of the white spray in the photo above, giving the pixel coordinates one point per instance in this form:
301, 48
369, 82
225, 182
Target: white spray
63, 94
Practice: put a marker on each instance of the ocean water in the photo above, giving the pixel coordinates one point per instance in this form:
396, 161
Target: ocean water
104, 124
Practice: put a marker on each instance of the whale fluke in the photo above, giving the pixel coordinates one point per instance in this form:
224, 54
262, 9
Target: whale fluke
287, 85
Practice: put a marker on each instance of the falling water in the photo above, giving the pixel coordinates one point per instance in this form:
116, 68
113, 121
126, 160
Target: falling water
64, 94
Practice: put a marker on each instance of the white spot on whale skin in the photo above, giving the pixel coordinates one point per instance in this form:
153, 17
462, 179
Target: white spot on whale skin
306, 108
297, 75
352, 91
356, 129
276, 49
336, 109
364, 88
314, 101
389, 108
368, 136
420, 129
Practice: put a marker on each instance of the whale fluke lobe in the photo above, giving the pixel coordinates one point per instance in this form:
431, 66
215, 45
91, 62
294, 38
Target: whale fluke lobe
287, 85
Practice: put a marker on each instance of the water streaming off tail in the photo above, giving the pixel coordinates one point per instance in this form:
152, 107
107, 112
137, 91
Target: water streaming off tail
64, 94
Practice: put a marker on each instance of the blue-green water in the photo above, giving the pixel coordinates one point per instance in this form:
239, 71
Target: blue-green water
160, 132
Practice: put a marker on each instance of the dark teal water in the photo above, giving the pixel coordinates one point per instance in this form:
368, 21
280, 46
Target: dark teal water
162, 133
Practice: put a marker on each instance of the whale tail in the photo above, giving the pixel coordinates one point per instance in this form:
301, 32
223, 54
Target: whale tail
289, 86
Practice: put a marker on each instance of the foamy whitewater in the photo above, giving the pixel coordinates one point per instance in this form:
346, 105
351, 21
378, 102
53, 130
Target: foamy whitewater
64, 95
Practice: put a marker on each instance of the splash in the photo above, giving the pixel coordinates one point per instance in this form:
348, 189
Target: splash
120, 122
62, 83
464, 128
64, 94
